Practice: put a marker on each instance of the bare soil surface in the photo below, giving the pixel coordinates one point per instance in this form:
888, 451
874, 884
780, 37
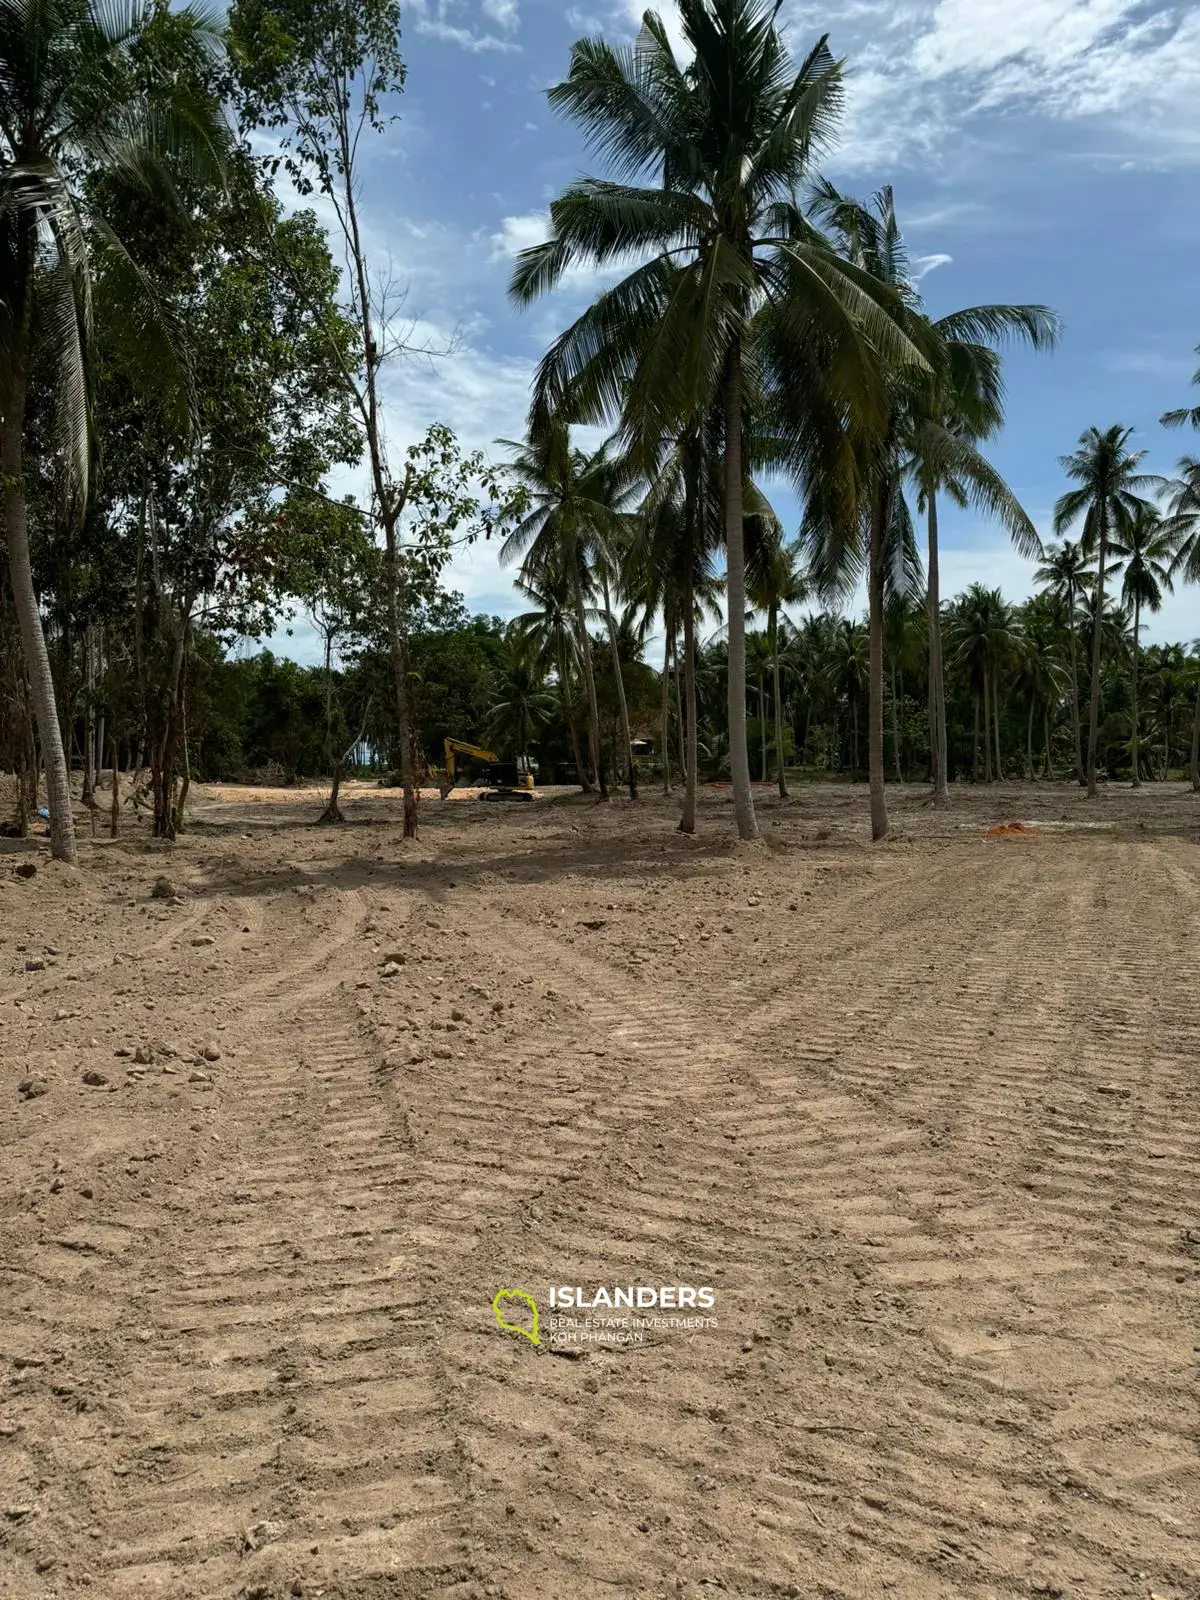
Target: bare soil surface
924, 1115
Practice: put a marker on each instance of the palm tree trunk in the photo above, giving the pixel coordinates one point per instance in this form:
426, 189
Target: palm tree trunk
589, 678
996, 723
691, 757
987, 726
1196, 745
735, 560
896, 729
1046, 738
1097, 640
1029, 741
630, 773
879, 522
937, 687
854, 773
762, 729
33, 639
780, 772
679, 722
1137, 617
666, 713
1079, 777
975, 746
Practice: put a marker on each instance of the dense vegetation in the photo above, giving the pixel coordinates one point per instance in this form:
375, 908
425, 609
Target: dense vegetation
183, 365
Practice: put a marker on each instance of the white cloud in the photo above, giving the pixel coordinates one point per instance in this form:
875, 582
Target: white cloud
922, 266
918, 75
450, 20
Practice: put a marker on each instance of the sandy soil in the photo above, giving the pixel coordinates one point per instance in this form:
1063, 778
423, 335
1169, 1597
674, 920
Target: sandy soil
924, 1116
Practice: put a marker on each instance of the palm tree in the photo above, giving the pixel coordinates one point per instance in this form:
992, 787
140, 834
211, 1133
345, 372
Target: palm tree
987, 638
549, 632
847, 672
73, 107
1145, 553
776, 579
1183, 416
726, 142
523, 704
576, 500
1067, 573
937, 412
1106, 472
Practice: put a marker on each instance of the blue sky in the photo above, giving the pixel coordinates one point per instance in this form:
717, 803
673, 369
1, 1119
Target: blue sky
1040, 150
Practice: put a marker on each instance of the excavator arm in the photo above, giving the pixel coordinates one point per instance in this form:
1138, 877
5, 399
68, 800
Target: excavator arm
460, 747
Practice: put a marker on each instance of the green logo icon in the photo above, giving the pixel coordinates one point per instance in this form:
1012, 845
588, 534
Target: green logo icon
500, 1305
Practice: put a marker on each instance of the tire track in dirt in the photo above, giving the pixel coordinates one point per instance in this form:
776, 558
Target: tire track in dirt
931, 1284
276, 1300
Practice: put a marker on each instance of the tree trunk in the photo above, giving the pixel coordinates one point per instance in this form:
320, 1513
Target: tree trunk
996, 723
937, 687
679, 722
1137, 618
735, 558
114, 815
630, 773
589, 678
33, 639
896, 729
398, 644
780, 769
666, 713
1097, 639
762, 728
1196, 745
1078, 735
1029, 741
975, 746
691, 758
1046, 738
880, 510
854, 747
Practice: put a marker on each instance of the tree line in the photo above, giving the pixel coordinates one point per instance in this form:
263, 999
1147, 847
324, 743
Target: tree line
186, 363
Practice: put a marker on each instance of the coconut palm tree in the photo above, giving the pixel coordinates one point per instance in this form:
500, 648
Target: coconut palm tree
1067, 573
522, 703
1145, 554
1183, 416
74, 107
673, 555
1107, 499
986, 637
708, 159
938, 411
847, 672
577, 502
775, 579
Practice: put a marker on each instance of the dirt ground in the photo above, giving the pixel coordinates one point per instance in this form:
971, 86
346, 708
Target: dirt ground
924, 1116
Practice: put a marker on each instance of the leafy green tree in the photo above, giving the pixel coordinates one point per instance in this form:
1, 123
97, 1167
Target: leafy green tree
1107, 499
73, 104
319, 77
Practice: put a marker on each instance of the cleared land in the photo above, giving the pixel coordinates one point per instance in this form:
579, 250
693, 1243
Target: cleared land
925, 1115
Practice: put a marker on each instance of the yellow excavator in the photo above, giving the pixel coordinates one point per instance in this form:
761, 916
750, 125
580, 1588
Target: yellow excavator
505, 779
